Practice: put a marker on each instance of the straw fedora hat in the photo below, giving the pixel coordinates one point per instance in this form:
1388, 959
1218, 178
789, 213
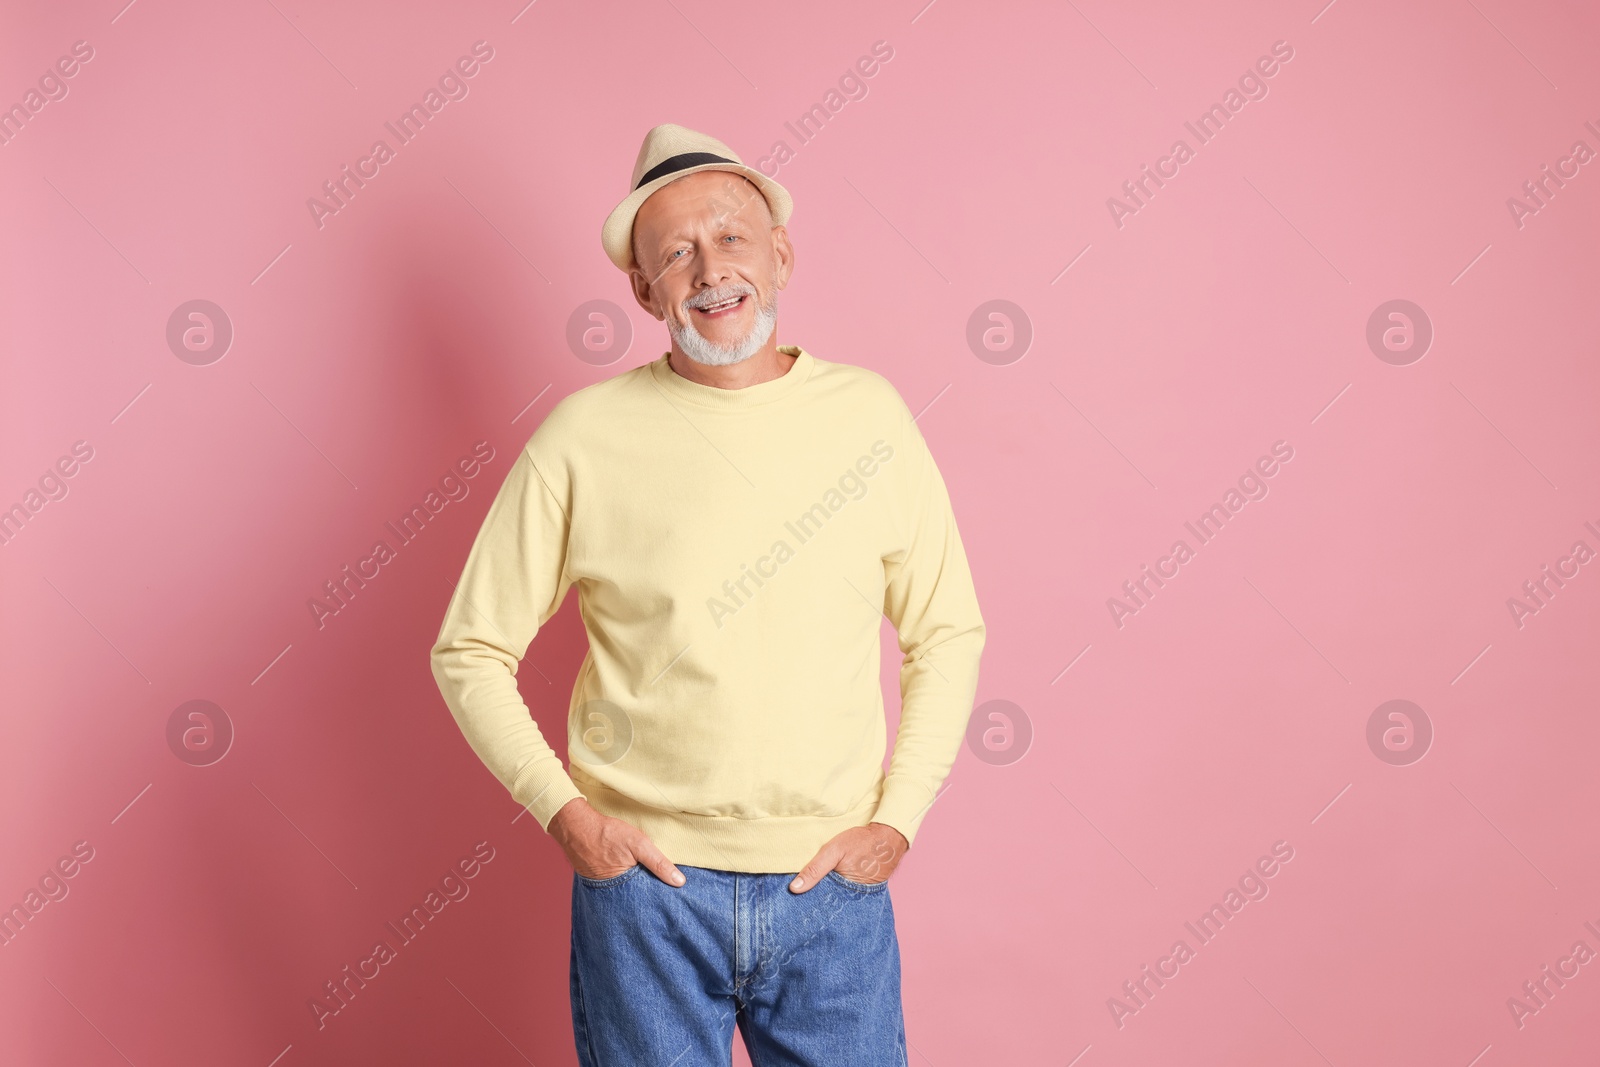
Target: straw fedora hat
671, 152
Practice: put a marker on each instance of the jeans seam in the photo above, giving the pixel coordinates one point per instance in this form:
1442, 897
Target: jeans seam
859, 887
583, 1017
607, 883
740, 980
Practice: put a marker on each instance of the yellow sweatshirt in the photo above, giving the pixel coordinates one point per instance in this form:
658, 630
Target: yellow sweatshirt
733, 551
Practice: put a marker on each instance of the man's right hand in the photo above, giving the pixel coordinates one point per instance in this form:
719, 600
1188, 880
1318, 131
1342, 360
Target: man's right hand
599, 847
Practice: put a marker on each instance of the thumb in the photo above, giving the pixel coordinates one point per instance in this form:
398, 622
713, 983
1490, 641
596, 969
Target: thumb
824, 861
654, 860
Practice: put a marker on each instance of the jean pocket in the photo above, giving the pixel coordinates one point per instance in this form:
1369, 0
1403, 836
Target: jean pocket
858, 887
607, 883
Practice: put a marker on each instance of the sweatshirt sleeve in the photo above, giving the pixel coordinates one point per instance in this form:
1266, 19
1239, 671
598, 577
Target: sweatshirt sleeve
931, 602
514, 581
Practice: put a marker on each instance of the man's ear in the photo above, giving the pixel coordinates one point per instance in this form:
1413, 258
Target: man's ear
783, 256
641, 293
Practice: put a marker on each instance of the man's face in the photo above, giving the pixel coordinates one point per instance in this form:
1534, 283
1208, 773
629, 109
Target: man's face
709, 263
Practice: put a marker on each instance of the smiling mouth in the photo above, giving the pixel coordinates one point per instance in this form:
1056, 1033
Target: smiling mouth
722, 308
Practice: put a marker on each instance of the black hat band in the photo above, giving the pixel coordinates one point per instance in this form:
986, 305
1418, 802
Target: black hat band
681, 162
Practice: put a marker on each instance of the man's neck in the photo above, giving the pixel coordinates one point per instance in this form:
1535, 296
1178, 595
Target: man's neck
765, 365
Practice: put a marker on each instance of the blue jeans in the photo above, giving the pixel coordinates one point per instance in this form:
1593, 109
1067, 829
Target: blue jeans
660, 974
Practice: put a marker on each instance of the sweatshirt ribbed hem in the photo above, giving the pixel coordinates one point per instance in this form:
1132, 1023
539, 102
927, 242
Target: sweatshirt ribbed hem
779, 844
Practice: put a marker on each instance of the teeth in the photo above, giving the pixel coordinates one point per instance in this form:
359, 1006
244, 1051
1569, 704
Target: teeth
724, 305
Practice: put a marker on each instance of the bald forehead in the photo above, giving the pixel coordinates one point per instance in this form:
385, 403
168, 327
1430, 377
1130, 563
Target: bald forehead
706, 195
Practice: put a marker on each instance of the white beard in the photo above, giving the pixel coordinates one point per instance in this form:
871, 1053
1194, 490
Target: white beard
694, 345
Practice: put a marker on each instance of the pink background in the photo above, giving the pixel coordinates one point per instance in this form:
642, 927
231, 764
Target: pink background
431, 312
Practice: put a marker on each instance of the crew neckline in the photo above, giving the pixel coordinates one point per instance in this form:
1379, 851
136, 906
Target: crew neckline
747, 397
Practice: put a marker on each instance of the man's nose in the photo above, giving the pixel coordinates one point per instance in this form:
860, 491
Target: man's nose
711, 267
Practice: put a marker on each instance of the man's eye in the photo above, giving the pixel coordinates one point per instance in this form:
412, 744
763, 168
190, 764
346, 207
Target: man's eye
678, 252
731, 237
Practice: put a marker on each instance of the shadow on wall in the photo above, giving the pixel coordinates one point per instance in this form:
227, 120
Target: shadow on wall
349, 788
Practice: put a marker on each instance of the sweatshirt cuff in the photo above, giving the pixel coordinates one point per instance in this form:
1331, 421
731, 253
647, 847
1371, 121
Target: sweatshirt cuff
904, 805
544, 790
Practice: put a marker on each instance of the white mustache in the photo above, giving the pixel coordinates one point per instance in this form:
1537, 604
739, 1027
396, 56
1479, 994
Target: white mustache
717, 296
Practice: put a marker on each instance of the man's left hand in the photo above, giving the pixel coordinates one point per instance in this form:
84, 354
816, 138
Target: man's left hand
867, 854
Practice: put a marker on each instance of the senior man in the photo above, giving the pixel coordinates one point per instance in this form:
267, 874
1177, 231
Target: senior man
736, 516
